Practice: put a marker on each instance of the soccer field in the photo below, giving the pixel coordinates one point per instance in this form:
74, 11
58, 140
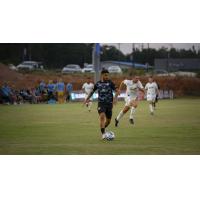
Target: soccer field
71, 129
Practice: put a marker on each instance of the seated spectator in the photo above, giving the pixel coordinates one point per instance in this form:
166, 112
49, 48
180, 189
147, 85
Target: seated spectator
26, 95
19, 98
51, 88
36, 97
6, 94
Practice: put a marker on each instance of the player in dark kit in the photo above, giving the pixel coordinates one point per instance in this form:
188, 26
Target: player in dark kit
105, 89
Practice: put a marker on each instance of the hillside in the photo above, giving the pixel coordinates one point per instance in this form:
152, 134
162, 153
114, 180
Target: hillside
180, 85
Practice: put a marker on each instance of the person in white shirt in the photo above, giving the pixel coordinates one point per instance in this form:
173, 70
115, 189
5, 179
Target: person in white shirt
151, 91
133, 86
88, 88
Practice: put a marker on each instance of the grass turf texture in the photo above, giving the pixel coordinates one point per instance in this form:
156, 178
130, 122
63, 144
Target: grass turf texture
71, 129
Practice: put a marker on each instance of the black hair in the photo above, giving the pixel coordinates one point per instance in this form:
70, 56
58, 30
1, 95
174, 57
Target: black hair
104, 71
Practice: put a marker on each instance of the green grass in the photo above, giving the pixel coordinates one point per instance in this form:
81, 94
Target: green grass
70, 129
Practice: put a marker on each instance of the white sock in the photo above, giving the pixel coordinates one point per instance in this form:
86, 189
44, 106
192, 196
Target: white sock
133, 109
89, 105
151, 107
120, 115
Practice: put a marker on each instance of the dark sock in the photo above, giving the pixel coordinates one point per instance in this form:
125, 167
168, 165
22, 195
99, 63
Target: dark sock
102, 130
106, 125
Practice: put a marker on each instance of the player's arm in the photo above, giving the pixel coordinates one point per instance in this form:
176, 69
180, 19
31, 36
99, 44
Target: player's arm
120, 87
116, 96
90, 95
83, 88
116, 90
142, 89
146, 88
157, 90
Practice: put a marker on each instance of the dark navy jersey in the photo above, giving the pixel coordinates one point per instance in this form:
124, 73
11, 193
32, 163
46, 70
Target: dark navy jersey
105, 91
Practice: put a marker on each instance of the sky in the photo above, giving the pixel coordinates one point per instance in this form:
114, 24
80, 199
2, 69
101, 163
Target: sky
127, 47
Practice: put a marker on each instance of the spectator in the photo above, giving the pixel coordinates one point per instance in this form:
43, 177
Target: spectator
42, 87
19, 98
69, 89
36, 97
26, 95
7, 95
51, 88
60, 90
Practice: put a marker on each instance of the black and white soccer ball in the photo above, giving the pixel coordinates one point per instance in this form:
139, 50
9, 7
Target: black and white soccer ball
109, 135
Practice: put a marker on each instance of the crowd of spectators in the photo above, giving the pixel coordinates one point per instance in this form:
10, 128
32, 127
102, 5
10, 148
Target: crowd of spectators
51, 92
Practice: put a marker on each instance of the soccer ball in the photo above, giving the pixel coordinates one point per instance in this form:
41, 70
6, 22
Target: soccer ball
109, 135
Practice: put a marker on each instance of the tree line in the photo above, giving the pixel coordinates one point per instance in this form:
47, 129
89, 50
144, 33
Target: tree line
57, 55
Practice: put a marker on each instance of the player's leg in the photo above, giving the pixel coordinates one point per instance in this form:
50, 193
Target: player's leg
121, 114
150, 101
107, 122
108, 116
102, 119
155, 101
134, 105
151, 107
89, 105
123, 111
154, 104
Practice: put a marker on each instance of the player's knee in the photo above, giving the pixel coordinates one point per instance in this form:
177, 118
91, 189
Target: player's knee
135, 106
126, 109
102, 117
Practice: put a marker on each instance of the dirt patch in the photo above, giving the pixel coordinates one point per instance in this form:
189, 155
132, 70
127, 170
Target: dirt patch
180, 85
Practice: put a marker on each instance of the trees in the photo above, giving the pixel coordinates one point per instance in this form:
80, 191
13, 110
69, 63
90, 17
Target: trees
57, 55
53, 55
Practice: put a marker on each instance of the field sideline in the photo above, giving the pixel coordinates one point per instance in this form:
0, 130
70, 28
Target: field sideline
71, 129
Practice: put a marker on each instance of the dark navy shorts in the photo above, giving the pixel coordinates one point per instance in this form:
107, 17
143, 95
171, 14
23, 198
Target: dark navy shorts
105, 108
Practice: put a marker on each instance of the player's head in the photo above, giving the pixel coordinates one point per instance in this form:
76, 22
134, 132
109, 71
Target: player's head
150, 79
88, 80
105, 74
135, 78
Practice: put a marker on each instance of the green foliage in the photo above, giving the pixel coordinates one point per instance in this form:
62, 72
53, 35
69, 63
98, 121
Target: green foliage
57, 55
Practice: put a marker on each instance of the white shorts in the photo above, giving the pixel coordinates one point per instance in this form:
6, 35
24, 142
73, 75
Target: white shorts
151, 97
86, 95
129, 99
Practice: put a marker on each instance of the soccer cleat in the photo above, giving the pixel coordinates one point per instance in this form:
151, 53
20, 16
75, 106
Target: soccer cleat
116, 122
103, 136
131, 121
152, 113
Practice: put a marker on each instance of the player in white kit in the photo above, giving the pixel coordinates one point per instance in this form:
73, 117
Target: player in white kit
88, 88
131, 100
151, 90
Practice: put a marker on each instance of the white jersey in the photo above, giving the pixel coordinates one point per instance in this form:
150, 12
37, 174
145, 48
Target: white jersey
88, 87
151, 88
132, 88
